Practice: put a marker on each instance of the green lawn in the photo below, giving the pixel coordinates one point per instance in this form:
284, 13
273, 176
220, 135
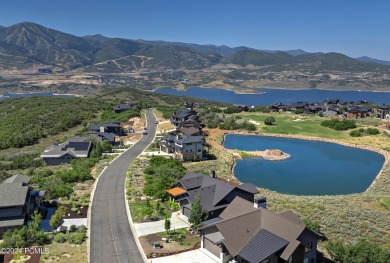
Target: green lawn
386, 202
293, 124
137, 210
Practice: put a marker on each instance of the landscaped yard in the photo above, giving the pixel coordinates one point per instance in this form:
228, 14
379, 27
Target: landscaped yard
138, 210
181, 240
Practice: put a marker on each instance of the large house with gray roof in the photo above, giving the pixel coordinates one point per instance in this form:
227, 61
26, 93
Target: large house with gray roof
183, 115
63, 153
183, 147
215, 195
247, 233
17, 202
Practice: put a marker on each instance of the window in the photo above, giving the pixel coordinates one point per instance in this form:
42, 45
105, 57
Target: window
289, 260
266, 261
308, 247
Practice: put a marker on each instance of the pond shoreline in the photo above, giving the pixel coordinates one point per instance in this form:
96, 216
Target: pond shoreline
384, 153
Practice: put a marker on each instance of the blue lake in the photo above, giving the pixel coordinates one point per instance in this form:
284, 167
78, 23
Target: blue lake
314, 168
25, 95
271, 96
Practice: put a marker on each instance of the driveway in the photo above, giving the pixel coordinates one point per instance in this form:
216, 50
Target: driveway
177, 221
111, 238
193, 256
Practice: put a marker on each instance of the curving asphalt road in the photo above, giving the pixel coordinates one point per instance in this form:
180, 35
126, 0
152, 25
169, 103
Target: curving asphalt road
111, 238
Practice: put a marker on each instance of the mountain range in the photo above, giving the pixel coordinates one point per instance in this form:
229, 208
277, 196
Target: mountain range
27, 45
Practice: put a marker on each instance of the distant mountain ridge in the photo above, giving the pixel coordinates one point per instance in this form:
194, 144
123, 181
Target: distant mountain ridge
373, 60
26, 44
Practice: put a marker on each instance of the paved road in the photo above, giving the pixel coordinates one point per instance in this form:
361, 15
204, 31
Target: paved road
111, 237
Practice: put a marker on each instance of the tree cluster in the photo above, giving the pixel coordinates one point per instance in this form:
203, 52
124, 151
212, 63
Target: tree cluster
338, 125
26, 236
360, 252
363, 132
161, 174
25, 121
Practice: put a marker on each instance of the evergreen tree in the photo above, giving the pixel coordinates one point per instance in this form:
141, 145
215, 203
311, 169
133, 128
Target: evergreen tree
198, 215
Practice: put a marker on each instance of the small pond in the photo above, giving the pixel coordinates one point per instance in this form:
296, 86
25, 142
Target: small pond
314, 168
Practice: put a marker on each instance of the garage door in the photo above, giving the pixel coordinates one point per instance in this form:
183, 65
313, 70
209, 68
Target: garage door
186, 211
216, 250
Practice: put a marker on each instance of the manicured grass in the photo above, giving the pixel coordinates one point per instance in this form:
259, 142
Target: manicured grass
386, 202
293, 124
137, 210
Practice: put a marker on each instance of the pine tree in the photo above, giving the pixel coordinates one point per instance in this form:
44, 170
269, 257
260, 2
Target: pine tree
198, 215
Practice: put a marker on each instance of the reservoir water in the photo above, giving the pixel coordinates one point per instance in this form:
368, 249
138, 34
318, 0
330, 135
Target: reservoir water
314, 168
271, 96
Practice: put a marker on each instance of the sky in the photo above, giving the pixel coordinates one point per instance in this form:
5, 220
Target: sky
353, 27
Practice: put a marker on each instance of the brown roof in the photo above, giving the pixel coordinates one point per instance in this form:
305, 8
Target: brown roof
176, 191
189, 130
241, 222
289, 215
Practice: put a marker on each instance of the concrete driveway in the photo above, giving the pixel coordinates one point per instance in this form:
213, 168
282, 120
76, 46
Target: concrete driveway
177, 221
194, 256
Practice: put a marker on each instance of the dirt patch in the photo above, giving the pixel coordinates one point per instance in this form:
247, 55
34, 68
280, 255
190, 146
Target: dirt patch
74, 214
28, 257
170, 248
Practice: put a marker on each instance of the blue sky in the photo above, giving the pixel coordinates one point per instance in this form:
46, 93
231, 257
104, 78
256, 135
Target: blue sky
352, 27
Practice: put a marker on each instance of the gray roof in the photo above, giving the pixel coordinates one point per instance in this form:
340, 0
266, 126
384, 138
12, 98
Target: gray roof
113, 124
10, 222
126, 106
211, 190
13, 194
189, 139
241, 222
249, 188
19, 178
76, 149
262, 245
211, 221
183, 113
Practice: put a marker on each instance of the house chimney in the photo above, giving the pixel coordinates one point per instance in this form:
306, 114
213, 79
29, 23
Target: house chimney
213, 174
102, 129
260, 202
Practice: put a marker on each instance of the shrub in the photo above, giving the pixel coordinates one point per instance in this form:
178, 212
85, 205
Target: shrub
355, 133
56, 218
372, 131
339, 125
81, 228
72, 228
76, 238
60, 238
269, 120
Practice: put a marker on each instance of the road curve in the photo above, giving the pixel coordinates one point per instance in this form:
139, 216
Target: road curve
111, 239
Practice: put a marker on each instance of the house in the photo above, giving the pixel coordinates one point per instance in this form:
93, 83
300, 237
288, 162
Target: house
129, 105
215, 195
248, 233
278, 107
63, 153
241, 107
18, 202
110, 127
357, 112
185, 148
383, 112
183, 115
189, 124
99, 137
